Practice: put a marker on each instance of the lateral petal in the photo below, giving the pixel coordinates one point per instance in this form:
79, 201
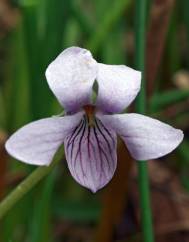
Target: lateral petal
37, 142
146, 138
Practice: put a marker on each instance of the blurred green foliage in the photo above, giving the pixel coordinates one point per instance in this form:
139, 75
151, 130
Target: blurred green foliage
41, 31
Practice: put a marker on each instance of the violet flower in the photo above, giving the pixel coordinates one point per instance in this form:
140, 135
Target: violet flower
89, 131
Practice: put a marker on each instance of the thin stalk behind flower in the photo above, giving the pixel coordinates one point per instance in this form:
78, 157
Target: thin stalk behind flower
25, 186
143, 180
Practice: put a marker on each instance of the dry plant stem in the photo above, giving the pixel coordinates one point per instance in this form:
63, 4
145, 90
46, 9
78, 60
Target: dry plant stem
8, 17
159, 22
115, 197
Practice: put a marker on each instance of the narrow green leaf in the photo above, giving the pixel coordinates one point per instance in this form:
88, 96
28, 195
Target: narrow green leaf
72, 33
109, 55
40, 229
143, 178
161, 100
25, 186
78, 211
17, 84
82, 19
113, 14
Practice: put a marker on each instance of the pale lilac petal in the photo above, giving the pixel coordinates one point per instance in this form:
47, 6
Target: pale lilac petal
118, 87
91, 154
71, 76
37, 142
146, 138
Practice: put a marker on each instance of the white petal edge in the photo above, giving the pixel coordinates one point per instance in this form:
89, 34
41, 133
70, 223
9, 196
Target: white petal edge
118, 87
146, 138
37, 142
71, 76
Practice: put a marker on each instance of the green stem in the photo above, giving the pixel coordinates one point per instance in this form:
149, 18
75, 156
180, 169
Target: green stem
24, 187
143, 180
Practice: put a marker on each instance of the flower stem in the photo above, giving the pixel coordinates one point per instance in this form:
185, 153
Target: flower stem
143, 180
24, 187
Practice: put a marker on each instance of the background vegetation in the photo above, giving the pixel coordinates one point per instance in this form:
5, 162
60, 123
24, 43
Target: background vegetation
32, 34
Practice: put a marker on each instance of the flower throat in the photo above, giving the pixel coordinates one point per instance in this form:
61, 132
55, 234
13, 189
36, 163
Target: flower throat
90, 113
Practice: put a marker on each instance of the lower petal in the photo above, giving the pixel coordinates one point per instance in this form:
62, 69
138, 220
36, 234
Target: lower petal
146, 138
37, 142
91, 154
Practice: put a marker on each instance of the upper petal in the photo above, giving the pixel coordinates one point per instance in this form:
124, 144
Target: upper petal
146, 138
91, 154
71, 76
118, 87
37, 142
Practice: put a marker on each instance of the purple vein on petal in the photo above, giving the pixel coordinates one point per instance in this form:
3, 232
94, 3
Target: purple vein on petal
80, 128
80, 153
113, 140
100, 154
104, 136
91, 153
